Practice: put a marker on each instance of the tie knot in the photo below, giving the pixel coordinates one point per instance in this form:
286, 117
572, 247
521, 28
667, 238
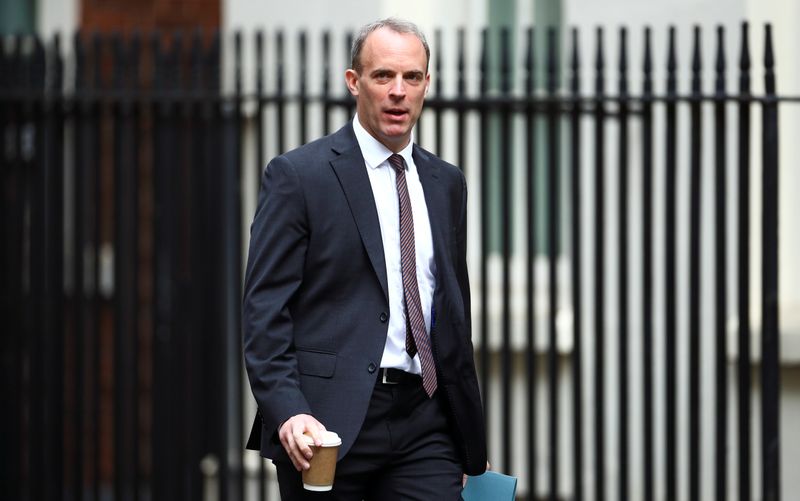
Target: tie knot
397, 163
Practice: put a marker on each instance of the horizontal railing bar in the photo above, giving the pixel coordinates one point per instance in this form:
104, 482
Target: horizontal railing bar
92, 96
78, 105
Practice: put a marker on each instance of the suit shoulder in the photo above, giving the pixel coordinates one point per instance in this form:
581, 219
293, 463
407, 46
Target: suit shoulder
446, 167
305, 161
317, 149
322, 149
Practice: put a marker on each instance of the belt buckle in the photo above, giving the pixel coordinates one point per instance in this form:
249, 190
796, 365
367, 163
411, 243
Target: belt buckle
383, 379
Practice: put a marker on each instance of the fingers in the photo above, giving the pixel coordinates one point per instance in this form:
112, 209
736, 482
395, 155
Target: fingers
288, 436
293, 434
314, 429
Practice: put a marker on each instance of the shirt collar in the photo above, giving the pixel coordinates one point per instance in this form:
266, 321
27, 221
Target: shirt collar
373, 151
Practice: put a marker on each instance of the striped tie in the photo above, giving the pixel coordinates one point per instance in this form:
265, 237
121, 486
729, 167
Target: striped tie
417, 340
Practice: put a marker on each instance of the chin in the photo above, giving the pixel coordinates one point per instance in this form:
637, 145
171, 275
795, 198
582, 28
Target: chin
395, 133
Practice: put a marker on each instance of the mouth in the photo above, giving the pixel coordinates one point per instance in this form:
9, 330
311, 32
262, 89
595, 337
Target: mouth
396, 113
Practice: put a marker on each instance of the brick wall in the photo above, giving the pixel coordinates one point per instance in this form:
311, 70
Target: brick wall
126, 15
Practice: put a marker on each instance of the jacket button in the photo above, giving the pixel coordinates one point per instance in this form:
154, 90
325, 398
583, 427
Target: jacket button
384, 317
372, 368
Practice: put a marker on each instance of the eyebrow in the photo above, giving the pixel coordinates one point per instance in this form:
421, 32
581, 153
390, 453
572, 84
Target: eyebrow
378, 71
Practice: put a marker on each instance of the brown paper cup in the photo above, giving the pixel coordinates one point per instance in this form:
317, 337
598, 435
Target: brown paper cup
319, 477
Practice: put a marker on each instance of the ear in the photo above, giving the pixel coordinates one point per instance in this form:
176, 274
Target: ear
427, 83
351, 79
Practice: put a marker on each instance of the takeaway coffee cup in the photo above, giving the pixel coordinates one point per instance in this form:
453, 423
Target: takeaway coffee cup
323, 463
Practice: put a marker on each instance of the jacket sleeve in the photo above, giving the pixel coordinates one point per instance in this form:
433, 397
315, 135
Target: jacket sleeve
274, 274
461, 258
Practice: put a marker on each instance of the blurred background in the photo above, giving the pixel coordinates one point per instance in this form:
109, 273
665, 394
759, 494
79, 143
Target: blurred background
633, 252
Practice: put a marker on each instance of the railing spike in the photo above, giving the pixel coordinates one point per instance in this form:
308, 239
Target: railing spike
462, 82
438, 81
552, 60
647, 65
484, 62
505, 60
769, 62
697, 65
623, 61
672, 64
326, 63
259, 55
720, 65
237, 61
279, 62
599, 65
575, 63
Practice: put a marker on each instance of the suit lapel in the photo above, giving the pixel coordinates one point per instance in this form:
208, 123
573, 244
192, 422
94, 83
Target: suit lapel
436, 201
351, 171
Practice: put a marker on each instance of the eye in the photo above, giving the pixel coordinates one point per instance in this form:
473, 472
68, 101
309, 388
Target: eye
382, 76
414, 77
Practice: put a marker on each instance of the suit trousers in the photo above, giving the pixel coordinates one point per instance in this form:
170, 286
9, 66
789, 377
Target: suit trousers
404, 451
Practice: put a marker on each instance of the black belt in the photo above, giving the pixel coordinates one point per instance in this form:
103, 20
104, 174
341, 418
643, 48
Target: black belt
396, 376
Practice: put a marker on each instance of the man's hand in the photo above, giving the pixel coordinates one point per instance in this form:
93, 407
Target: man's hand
464, 477
291, 435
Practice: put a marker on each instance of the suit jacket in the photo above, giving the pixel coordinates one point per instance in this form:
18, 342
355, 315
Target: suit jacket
316, 304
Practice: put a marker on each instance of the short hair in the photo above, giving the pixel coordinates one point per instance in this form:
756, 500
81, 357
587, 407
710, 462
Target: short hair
394, 24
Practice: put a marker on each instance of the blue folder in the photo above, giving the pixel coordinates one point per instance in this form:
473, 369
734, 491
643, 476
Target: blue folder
491, 486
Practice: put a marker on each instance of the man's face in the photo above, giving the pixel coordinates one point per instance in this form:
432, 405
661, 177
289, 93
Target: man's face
391, 86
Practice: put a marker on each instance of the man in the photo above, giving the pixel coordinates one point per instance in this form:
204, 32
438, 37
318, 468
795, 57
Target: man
356, 304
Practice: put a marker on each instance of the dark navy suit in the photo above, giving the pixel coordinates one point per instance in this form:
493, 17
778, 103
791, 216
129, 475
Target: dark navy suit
316, 304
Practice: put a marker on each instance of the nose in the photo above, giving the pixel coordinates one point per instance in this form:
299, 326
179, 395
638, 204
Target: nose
398, 87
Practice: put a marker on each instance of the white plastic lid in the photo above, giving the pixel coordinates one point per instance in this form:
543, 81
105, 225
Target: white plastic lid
329, 439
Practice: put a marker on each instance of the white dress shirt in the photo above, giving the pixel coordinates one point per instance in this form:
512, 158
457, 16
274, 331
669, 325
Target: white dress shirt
382, 177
